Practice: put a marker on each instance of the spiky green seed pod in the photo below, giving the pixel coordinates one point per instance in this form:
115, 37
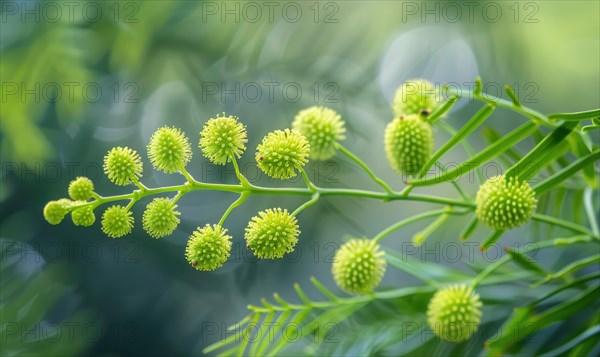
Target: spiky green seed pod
169, 149
55, 211
122, 165
323, 128
454, 313
505, 203
282, 152
358, 266
408, 144
117, 221
208, 248
160, 217
223, 138
81, 189
273, 233
415, 96
83, 216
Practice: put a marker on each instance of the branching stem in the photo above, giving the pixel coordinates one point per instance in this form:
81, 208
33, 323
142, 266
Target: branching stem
365, 167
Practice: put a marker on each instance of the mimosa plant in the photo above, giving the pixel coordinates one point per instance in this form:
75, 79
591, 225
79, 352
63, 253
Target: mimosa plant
502, 203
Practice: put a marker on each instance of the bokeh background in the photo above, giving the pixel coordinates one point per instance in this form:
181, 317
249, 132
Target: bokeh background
81, 77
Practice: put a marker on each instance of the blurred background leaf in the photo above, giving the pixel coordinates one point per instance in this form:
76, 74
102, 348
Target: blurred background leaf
133, 66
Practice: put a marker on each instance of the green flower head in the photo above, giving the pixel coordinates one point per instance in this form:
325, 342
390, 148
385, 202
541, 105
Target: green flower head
408, 144
323, 128
122, 165
208, 248
81, 189
505, 203
117, 221
358, 266
83, 216
454, 313
160, 217
282, 152
415, 96
272, 233
55, 211
223, 138
169, 149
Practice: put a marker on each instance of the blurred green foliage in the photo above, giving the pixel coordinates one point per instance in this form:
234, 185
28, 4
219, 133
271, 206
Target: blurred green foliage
155, 62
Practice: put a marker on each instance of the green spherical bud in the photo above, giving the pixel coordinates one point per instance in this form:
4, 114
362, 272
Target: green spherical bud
272, 233
81, 189
117, 221
223, 138
83, 216
323, 128
169, 149
358, 266
282, 152
122, 165
454, 312
415, 96
160, 217
55, 211
208, 248
505, 203
408, 144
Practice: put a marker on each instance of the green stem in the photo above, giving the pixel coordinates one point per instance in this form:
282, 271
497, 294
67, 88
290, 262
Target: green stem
588, 200
565, 224
185, 173
364, 166
459, 189
341, 192
309, 184
469, 228
131, 203
235, 204
534, 115
559, 242
420, 237
312, 201
589, 114
407, 190
245, 186
140, 185
243, 180
378, 295
323, 192
178, 196
460, 136
466, 146
415, 218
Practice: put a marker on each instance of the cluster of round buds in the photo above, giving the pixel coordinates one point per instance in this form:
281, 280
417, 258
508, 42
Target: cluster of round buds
415, 96
323, 128
208, 248
55, 211
272, 233
117, 221
505, 203
408, 144
358, 266
160, 217
122, 165
169, 149
223, 138
454, 313
83, 216
282, 152
81, 189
